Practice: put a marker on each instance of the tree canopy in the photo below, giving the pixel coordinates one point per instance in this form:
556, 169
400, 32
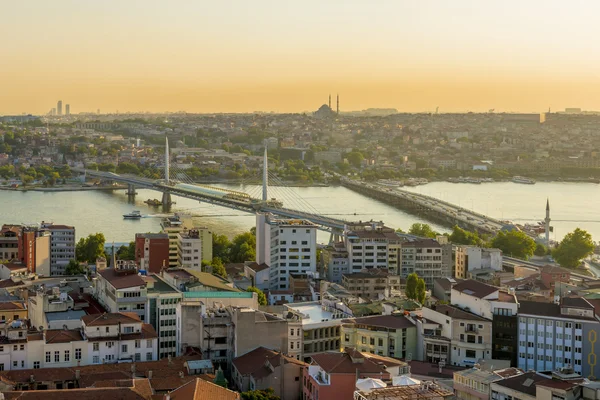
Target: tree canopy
574, 247
241, 248
423, 230
514, 244
462, 236
90, 248
262, 299
267, 394
126, 252
75, 268
415, 288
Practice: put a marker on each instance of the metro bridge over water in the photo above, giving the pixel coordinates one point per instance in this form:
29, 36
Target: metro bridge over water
217, 196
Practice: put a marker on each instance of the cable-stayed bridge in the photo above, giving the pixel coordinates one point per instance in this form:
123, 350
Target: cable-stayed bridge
176, 182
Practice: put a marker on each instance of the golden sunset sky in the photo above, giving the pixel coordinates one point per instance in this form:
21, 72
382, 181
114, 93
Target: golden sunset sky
287, 56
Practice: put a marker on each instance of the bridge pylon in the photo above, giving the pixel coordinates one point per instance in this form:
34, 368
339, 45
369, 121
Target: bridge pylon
131, 190
166, 201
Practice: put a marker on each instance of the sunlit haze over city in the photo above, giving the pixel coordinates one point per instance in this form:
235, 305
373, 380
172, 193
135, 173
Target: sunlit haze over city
245, 56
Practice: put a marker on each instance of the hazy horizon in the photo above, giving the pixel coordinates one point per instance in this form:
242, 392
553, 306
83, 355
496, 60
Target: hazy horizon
270, 55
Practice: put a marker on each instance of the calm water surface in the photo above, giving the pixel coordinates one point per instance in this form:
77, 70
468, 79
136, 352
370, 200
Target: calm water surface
572, 205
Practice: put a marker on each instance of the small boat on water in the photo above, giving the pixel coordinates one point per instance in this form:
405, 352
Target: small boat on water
153, 202
133, 215
522, 179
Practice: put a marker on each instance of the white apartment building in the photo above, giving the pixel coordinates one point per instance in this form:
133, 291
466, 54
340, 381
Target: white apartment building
189, 249
172, 226
372, 245
287, 246
118, 337
162, 300
62, 247
103, 338
427, 258
470, 258
121, 289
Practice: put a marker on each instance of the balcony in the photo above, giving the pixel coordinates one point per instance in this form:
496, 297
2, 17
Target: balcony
471, 328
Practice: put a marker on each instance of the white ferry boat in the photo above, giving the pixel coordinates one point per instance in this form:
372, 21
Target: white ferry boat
133, 215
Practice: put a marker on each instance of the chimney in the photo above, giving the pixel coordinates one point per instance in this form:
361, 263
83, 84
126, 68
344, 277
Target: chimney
149, 374
77, 374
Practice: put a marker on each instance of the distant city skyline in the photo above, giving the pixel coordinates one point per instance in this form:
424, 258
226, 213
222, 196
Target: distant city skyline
268, 56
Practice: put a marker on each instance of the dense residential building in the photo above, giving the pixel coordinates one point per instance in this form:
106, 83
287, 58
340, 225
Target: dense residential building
320, 327
333, 374
470, 336
372, 245
554, 336
34, 249
116, 337
121, 289
531, 385
441, 288
335, 261
62, 247
161, 307
493, 304
549, 275
475, 383
172, 226
384, 335
430, 259
152, 251
189, 249
263, 368
470, 258
371, 284
287, 246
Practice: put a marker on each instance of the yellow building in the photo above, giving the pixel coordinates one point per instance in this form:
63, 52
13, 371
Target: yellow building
12, 311
385, 335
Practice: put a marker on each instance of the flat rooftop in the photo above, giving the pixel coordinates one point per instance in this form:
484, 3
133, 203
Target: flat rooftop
65, 315
312, 313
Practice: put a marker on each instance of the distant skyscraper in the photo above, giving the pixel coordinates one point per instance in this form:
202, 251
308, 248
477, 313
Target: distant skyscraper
59, 108
67, 109
53, 111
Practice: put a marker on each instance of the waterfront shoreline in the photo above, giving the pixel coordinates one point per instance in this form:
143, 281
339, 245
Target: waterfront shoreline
62, 188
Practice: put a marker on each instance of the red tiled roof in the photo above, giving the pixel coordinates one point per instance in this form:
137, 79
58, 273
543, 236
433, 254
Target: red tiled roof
341, 363
12, 305
62, 335
132, 389
110, 319
475, 288
253, 363
121, 281
202, 390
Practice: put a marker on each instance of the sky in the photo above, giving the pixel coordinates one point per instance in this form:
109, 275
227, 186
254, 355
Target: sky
288, 56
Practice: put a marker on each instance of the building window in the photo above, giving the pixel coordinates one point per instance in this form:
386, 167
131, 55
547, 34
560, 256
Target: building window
148, 356
96, 360
36, 365
96, 346
57, 356
346, 337
138, 344
48, 357
138, 357
124, 348
67, 356
78, 354
471, 354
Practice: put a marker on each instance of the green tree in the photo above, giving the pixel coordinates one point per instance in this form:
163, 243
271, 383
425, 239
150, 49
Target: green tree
243, 248
423, 230
574, 247
540, 250
421, 291
355, 158
221, 247
75, 268
262, 299
218, 268
127, 252
462, 236
514, 244
267, 394
90, 248
411, 285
